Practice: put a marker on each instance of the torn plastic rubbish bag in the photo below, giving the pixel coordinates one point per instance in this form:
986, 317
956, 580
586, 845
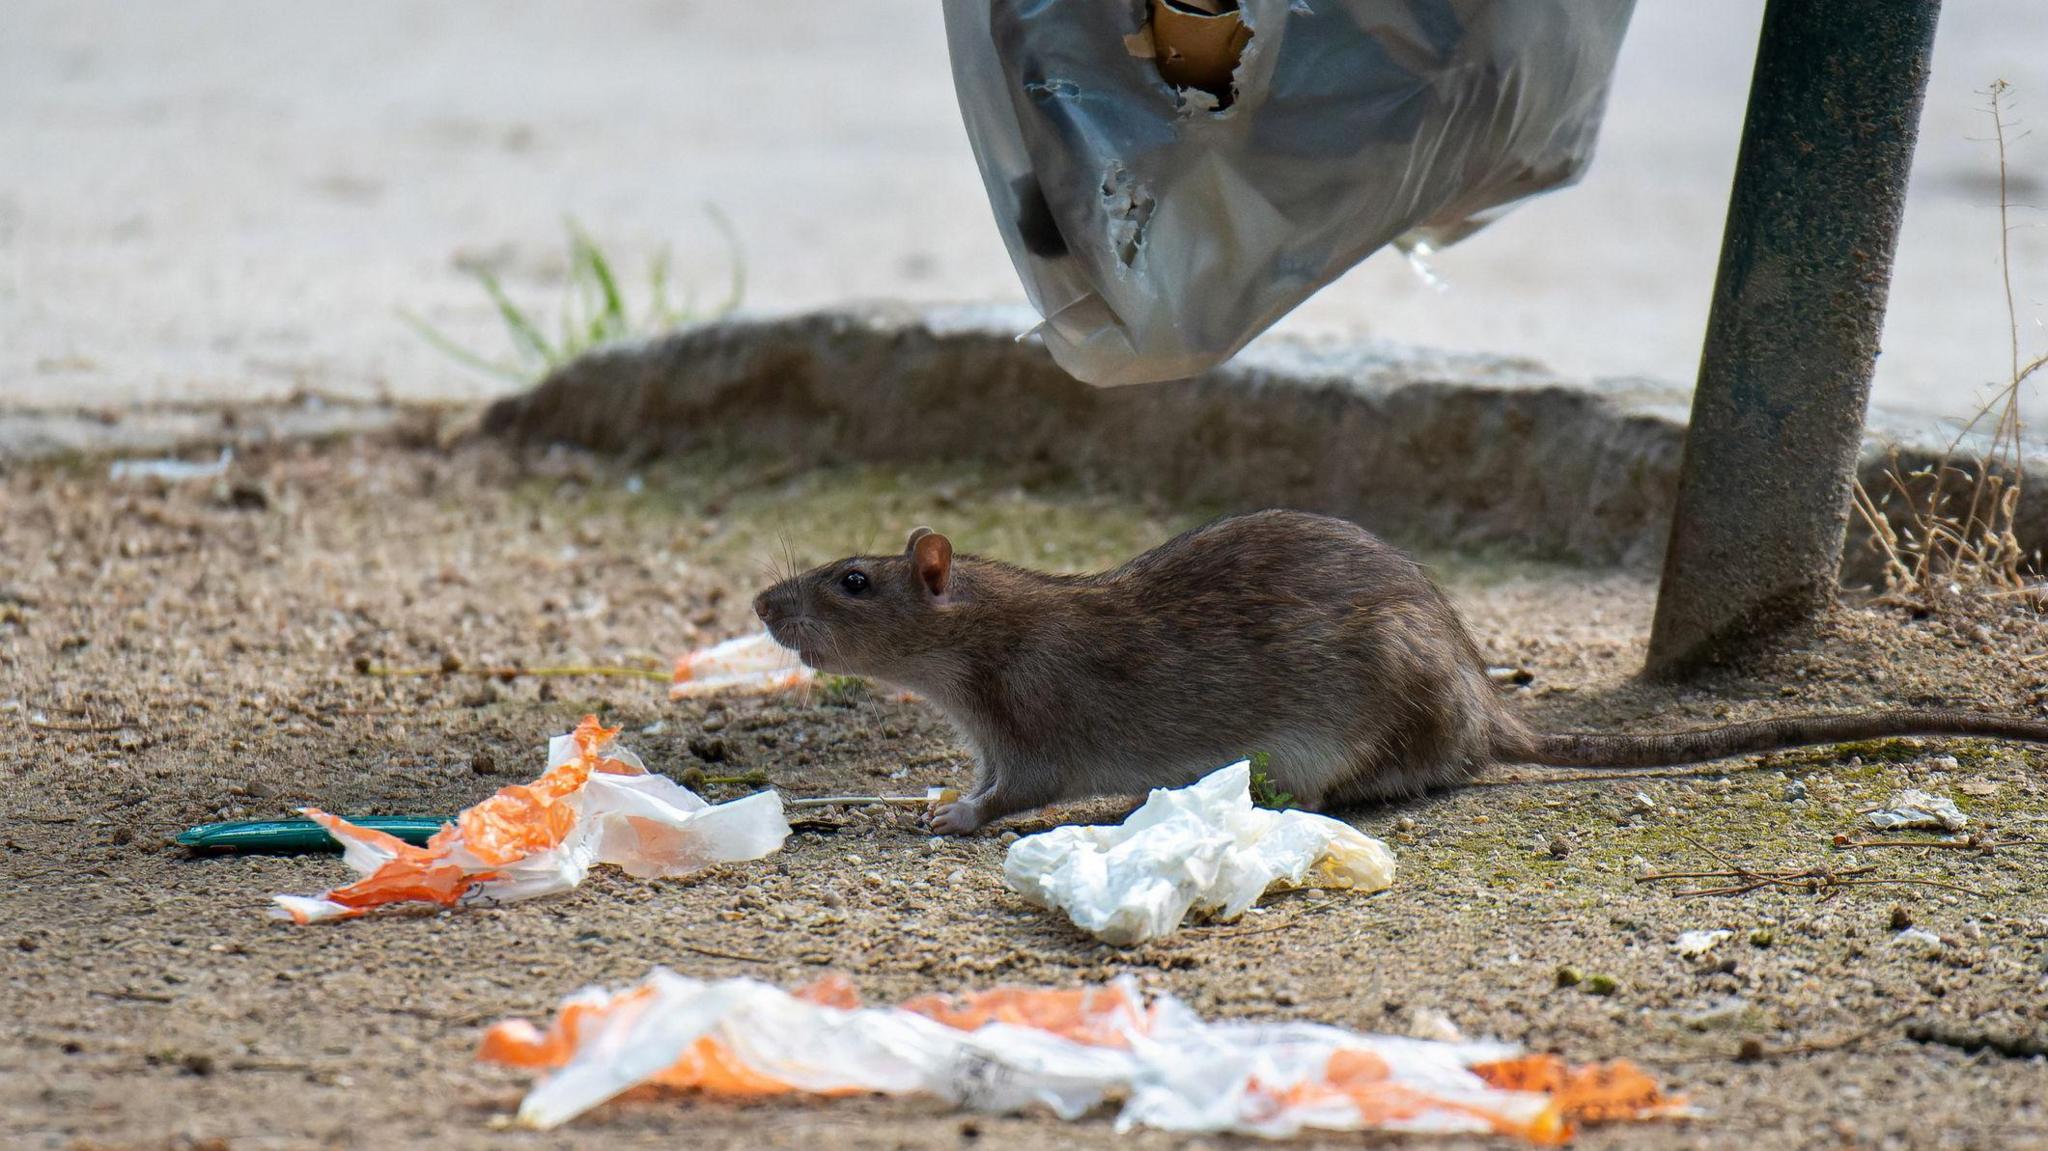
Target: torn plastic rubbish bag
596, 803
1173, 176
1066, 1050
1203, 848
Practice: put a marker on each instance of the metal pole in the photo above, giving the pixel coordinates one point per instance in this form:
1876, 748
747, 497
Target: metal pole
1806, 256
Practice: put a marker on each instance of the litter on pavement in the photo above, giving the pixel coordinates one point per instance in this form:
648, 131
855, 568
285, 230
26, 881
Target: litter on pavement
1914, 808
596, 803
1066, 1050
1204, 848
754, 663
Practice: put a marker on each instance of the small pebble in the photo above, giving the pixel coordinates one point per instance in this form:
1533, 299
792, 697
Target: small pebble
1429, 1023
1926, 942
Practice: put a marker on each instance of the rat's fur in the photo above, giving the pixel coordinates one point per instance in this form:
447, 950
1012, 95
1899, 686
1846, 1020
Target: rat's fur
1300, 636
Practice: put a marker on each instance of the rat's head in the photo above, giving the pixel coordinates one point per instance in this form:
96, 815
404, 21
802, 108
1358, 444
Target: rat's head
864, 615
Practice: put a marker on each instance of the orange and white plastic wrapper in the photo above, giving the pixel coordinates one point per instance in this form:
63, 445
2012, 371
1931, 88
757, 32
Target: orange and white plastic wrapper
595, 804
753, 664
1065, 1050
749, 665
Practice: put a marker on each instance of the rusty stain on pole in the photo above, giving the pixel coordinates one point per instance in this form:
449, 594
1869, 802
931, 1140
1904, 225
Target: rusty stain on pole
1806, 255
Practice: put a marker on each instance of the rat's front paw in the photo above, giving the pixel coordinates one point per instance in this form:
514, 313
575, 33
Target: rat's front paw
959, 817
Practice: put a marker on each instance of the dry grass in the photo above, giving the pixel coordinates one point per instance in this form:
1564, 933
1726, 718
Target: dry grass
1954, 531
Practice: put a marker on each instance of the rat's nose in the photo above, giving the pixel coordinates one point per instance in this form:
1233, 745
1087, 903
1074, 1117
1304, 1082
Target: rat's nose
767, 607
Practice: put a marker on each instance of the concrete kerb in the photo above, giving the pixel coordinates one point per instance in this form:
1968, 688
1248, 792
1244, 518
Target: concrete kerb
1462, 450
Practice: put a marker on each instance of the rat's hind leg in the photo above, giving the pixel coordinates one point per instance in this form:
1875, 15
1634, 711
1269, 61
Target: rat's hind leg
960, 817
996, 795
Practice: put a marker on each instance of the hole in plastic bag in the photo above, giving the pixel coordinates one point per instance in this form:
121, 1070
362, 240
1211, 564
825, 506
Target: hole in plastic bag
1197, 44
1129, 207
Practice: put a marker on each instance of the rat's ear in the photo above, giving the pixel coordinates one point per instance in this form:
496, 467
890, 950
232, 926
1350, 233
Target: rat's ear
916, 534
931, 554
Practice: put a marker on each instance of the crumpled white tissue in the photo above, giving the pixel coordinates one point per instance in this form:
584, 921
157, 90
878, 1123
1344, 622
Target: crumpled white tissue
1203, 848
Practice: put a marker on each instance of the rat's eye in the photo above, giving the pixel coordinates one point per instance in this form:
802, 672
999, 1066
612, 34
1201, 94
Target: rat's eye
855, 582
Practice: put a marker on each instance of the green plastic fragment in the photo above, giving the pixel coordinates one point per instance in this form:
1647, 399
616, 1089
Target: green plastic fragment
299, 836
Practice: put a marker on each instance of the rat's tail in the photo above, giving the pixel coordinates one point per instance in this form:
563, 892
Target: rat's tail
1667, 749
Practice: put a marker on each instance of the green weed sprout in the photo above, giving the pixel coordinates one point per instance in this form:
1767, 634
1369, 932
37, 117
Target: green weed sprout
593, 311
1263, 793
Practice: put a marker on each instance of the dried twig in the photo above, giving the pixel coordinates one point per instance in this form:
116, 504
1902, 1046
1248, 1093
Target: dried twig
1312, 909
457, 667
1825, 882
1820, 1046
1975, 843
1752, 1050
1821, 881
863, 801
748, 779
288, 1065
714, 953
2010, 1046
134, 996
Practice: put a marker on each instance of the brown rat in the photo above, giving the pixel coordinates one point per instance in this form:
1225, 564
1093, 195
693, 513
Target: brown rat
1300, 636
